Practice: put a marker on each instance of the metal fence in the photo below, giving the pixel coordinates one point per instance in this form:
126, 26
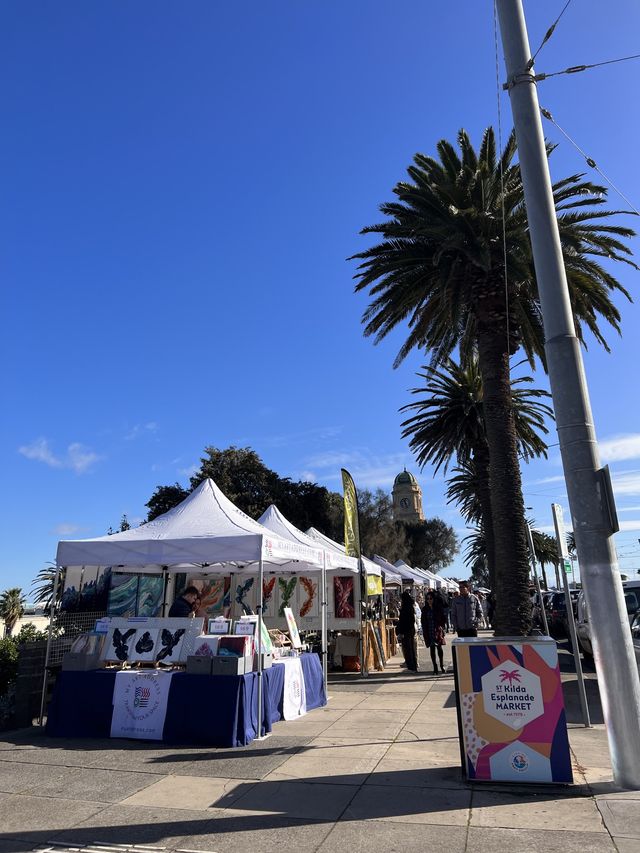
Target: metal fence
66, 627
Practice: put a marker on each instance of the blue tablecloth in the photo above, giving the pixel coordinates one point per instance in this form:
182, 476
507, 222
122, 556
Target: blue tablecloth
219, 710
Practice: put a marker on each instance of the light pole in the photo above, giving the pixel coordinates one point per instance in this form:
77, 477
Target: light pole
588, 485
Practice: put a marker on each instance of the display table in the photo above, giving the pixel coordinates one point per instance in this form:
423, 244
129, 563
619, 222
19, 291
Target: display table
217, 710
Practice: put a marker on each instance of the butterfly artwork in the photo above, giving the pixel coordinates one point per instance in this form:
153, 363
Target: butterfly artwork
120, 641
286, 589
268, 590
308, 606
242, 594
171, 644
344, 598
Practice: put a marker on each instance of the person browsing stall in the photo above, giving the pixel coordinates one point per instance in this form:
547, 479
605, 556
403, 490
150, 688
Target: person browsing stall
183, 606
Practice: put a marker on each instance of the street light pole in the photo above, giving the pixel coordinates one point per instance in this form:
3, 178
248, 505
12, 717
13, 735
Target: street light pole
588, 486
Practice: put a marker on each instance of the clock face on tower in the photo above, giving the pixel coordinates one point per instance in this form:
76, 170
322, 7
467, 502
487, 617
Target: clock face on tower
404, 503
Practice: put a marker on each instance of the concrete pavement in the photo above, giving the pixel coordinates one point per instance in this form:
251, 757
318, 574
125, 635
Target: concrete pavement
376, 770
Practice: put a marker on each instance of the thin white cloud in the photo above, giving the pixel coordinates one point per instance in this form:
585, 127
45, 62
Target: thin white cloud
628, 508
284, 439
78, 458
40, 451
307, 477
368, 470
141, 429
190, 471
620, 447
630, 524
558, 479
66, 529
626, 482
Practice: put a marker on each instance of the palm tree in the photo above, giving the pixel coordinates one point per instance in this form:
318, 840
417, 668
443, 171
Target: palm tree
450, 423
43, 587
546, 552
12, 603
455, 263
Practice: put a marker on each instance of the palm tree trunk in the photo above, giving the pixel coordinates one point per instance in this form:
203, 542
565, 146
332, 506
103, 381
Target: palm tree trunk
481, 460
513, 609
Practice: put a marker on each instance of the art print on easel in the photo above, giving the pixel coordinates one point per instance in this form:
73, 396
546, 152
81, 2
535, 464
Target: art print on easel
344, 600
308, 598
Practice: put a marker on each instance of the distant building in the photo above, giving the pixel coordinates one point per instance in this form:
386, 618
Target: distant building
407, 499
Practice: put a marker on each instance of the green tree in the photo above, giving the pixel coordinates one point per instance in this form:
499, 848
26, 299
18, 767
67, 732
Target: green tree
546, 550
12, 603
165, 498
449, 424
441, 268
432, 544
244, 478
379, 533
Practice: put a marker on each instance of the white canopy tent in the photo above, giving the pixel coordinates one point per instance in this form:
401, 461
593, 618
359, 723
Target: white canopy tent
391, 574
206, 532
275, 521
415, 575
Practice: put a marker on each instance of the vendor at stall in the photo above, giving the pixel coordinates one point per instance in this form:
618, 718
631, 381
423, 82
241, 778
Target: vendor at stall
183, 606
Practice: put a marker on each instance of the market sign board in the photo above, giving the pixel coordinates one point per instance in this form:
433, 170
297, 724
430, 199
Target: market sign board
511, 717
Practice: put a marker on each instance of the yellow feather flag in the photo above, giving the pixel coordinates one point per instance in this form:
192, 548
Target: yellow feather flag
351, 524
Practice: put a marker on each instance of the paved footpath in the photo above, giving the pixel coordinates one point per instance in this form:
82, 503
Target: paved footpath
376, 770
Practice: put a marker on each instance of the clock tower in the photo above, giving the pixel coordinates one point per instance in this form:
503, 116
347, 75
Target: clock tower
407, 499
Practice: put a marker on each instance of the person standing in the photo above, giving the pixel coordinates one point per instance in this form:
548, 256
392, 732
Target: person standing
406, 631
183, 606
466, 612
433, 628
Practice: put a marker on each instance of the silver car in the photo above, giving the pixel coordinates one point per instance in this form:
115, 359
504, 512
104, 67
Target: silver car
631, 591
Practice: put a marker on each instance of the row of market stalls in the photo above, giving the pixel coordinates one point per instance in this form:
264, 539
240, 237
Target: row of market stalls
242, 565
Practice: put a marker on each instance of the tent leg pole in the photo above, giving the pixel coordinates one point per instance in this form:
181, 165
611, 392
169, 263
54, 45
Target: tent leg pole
52, 608
260, 606
323, 582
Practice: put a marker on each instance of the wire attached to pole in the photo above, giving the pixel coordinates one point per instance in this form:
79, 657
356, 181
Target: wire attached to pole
589, 160
547, 36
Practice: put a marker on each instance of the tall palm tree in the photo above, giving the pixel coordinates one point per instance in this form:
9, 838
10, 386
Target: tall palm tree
43, 585
450, 424
441, 268
12, 603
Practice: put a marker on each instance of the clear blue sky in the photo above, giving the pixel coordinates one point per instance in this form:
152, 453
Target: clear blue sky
181, 186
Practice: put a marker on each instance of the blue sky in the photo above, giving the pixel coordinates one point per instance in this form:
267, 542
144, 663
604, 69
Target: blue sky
182, 184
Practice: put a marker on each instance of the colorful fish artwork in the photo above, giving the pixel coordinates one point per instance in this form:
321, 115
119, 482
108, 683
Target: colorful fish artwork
287, 589
344, 600
310, 588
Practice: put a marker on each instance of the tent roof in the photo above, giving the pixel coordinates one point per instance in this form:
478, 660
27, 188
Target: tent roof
206, 529
275, 521
416, 575
336, 553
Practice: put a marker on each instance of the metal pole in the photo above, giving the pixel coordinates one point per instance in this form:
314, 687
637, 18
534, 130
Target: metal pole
592, 514
260, 607
537, 581
323, 619
561, 540
52, 610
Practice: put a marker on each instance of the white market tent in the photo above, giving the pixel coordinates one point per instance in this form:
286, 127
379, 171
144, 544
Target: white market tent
335, 550
207, 532
391, 574
415, 575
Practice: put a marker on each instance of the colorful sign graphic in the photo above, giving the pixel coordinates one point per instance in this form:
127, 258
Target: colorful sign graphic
511, 711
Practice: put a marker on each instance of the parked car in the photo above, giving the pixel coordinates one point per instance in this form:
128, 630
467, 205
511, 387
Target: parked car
635, 633
631, 590
538, 602
557, 613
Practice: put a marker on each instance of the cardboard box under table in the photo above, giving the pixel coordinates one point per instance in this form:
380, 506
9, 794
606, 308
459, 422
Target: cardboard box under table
511, 717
